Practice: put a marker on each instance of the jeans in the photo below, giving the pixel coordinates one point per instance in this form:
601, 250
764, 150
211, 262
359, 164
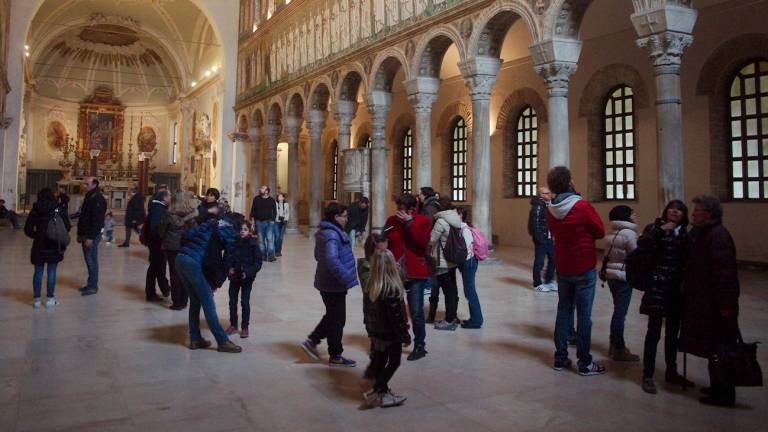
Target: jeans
108, 235
541, 251
468, 271
383, 366
200, 296
266, 231
652, 340
622, 296
331, 327
578, 291
91, 257
13, 217
156, 272
279, 235
179, 294
352, 237
414, 289
37, 280
242, 286
447, 282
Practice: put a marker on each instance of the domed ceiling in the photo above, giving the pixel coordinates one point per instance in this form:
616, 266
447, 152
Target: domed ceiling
147, 51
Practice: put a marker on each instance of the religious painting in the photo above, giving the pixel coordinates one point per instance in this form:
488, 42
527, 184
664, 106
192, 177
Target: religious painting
101, 130
147, 139
56, 135
100, 126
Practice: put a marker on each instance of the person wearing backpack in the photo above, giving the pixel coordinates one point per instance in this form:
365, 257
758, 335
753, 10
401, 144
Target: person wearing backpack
449, 252
45, 250
475, 251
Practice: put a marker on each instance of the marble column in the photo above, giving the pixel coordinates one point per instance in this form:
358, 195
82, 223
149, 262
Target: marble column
378, 108
479, 77
344, 113
315, 124
556, 76
240, 164
256, 169
422, 93
292, 130
273, 135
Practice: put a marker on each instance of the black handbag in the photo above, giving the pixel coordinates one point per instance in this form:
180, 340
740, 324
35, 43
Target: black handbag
736, 364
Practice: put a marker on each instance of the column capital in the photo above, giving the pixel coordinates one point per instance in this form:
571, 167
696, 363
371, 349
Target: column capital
422, 92
237, 136
344, 112
293, 128
254, 133
272, 131
316, 123
480, 75
666, 50
188, 106
556, 75
422, 102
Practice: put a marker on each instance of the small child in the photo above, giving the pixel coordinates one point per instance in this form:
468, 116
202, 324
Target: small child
385, 322
246, 262
109, 227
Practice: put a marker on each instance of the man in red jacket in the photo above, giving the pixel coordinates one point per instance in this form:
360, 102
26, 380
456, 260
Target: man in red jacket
575, 225
408, 234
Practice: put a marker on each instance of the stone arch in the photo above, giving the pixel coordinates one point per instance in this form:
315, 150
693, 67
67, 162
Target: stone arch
257, 116
515, 103
295, 105
431, 48
397, 133
592, 105
362, 131
242, 123
320, 95
448, 118
714, 81
351, 83
275, 114
331, 142
385, 67
563, 19
492, 25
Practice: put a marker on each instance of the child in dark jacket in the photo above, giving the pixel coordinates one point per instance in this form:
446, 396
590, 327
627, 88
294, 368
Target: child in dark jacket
246, 262
386, 325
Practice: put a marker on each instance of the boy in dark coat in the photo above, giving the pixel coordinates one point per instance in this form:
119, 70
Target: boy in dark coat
246, 262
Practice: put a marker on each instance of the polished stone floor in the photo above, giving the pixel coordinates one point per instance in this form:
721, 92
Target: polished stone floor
112, 362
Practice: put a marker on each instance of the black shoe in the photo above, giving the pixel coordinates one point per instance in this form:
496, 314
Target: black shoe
649, 386
417, 353
470, 325
272, 259
278, 254
177, 307
81, 289
562, 364
719, 401
165, 293
89, 291
123, 245
154, 298
676, 378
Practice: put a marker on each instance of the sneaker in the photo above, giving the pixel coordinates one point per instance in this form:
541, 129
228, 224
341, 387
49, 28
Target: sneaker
445, 325
542, 288
50, 302
244, 333
390, 399
649, 386
592, 369
562, 364
36, 303
340, 361
109, 243
372, 398
278, 254
199, 344
272, 259
229, 347
417, 353
311, 349
123, 245
551, 285
177, 307
89, 291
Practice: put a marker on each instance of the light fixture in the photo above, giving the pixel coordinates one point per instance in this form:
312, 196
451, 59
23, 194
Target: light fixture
26, 53
194, 83
215, 69
207, 73
26, 47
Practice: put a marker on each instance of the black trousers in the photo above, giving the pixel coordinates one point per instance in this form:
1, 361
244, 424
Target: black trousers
447, 282
652, 336
383, 366
331, 327
179, 294
156, 272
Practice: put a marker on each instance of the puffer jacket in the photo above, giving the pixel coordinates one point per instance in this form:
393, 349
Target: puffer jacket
246, 258
172, 228
575, 225
537, 221
408, 242
444, 221
335, 260
662, 296
620, 243
384, 319
194, 244
44, 250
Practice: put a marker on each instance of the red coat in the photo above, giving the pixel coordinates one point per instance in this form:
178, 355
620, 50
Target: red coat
410, 240
575, 225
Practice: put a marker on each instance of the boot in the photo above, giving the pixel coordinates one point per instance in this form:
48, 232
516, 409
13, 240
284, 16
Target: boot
432, 312
623, 355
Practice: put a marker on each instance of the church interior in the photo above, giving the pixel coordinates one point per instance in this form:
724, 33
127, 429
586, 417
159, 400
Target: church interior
325, 101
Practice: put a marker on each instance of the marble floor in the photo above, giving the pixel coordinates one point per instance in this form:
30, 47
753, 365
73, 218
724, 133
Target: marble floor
112, 362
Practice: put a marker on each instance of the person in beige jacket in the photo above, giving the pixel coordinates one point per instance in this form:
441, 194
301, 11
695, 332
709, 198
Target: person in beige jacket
446, 271
618, 244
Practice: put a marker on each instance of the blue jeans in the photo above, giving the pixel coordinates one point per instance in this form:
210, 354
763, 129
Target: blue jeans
541, 251
468, 271
414, 289
266, 231
200, 295
622, 296
578, 291
91, 257
37, 280
279, 235
352, 237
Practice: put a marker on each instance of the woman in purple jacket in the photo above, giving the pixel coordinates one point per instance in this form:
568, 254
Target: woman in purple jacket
335, 275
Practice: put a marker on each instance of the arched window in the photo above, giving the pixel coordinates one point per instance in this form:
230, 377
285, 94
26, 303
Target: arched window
749, 132
407, 161
335, 170
459, 160
526, 151
364, 142
619, 145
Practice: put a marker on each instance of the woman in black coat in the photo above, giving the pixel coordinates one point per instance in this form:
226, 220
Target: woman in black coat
44, 250
668, 239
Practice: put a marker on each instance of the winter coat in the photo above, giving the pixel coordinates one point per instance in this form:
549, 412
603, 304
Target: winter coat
335, 260
444, 221
408, 242
134, 211
44, 250
172, 227
263, 209
710, 285
385, 320
157, 211
246, 258
358, 218
283, 210
662, 295
195, 244
620, 243
91, 215
537, 221
430, 208
363, 272
575, 225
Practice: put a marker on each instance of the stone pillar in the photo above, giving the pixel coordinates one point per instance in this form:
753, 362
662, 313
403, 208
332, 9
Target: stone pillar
255, 137
379, 103
422, 93
316, 124
665, 32
240, 164
292, 130
272, 134
479, 77
187, 143
344, 113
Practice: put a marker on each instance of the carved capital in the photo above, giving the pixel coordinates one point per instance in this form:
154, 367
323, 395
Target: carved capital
238, 136
422, 102
480, 86
666, 50
316, 124
378, 114
292, 133
556, 75
273, 133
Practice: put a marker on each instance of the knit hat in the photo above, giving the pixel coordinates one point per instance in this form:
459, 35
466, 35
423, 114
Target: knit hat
620, 213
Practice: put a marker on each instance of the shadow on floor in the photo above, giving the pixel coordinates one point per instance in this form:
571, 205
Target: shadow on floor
537, 331
343, 382
70, 282
176, 334
519, 282
292, 351
24, 297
